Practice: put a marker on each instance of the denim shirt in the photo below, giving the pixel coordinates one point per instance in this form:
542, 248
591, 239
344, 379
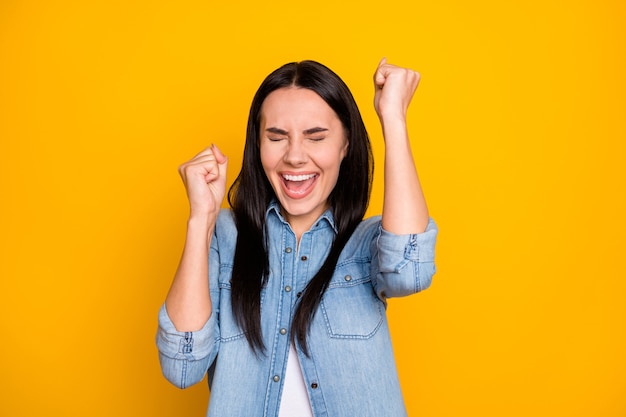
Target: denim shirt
351, 370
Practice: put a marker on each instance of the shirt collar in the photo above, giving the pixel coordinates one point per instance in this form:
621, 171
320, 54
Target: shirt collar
327, 216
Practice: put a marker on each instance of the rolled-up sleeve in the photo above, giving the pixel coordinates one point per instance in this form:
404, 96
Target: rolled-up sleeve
185, 356
405, 264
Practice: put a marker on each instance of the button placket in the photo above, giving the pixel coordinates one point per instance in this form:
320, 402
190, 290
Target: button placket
287, 286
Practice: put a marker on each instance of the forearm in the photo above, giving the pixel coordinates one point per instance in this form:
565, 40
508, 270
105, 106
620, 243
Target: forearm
188, 301
404, 205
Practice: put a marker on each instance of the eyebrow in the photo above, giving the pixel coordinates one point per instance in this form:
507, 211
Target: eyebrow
315, 130
310, 131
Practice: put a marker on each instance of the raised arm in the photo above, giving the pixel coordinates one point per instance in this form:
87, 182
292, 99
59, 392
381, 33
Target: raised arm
188, 302
404, 206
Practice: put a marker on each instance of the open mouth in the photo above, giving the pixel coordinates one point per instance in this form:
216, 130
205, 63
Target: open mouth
298, 185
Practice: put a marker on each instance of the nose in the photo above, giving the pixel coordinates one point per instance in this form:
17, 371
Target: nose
295, 154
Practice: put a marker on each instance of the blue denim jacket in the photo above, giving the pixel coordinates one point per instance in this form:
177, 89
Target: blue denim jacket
351, 369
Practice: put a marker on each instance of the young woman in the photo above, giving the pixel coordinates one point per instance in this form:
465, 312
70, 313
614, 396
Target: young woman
282, 298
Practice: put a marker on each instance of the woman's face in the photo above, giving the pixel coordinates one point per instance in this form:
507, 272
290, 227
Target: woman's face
302, 144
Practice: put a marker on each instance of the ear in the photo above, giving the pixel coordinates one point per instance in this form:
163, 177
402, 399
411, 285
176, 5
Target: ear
344, 148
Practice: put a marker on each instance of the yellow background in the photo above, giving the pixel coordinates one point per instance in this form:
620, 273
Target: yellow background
519, 133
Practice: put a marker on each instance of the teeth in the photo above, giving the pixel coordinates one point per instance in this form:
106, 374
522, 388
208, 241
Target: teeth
298, 177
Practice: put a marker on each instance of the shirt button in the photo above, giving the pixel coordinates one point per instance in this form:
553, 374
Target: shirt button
288, 288
276, 378
283, 331
288, 250
304, 258
314, 385
348, 278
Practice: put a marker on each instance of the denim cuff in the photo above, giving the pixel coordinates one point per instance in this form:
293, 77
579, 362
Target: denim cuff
190, 345
396, 251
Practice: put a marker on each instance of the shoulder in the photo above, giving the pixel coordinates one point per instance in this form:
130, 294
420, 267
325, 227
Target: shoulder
368, 228
225, 228
359, 245
225, 218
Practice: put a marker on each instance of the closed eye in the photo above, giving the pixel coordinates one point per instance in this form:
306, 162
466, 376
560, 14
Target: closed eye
275, 134
316, 134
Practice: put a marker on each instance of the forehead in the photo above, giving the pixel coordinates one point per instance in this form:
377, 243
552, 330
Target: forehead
292, 104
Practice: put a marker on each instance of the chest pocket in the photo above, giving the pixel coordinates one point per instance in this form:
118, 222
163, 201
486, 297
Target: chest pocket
350, 307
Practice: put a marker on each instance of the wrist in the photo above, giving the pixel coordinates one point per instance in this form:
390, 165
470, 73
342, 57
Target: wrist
392, 116
201, 221
394, 128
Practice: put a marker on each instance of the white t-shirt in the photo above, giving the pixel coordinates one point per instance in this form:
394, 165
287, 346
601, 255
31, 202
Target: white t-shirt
294, 401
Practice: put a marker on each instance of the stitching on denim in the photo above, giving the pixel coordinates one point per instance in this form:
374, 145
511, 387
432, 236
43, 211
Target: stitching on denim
186, 344
411, 250
183, 382
332, 334
416, 272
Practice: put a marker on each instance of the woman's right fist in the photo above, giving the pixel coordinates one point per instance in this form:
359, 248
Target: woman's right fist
204, 177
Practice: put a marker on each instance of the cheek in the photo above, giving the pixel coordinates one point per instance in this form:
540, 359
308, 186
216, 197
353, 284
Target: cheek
267, 162
330, 159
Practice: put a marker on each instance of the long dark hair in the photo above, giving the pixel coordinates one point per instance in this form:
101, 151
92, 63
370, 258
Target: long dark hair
251, 193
